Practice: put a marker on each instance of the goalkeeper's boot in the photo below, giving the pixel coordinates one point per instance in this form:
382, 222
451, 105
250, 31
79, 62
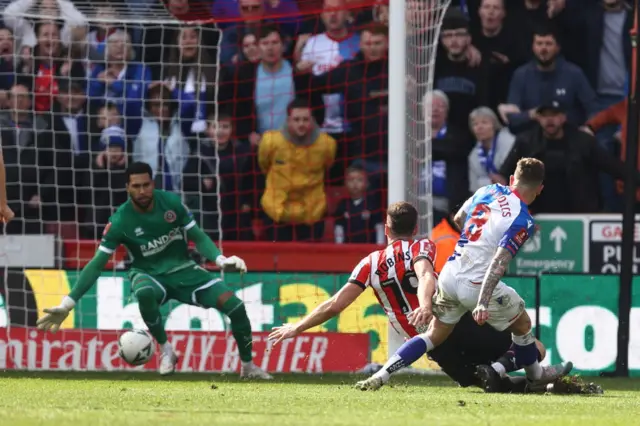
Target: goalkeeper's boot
550, 374
252, 371
373, 383
168, 361
571, 385
489, 378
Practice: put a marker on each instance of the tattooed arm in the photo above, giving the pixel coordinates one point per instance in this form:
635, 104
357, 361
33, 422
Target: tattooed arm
496, 271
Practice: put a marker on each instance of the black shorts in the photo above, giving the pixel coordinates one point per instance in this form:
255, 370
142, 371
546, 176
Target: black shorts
468, 346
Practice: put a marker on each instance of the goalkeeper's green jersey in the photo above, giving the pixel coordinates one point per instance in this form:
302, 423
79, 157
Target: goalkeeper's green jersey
156, 239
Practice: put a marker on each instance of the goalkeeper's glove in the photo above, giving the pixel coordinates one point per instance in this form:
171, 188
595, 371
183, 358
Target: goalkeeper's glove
55, 316
233, 263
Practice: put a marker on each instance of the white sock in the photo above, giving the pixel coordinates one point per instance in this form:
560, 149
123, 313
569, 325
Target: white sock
499, 369
534, 371
247, 364
167, 349
383, 373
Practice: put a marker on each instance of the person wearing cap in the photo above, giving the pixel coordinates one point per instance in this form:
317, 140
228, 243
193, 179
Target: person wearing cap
572, 158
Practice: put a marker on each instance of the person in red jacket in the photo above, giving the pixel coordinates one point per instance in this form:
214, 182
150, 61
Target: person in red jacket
616, 114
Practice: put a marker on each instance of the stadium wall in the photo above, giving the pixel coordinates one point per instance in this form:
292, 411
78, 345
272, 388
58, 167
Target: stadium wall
578, 322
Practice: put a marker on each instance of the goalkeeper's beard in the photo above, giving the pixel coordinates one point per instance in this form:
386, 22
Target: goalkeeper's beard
141, 206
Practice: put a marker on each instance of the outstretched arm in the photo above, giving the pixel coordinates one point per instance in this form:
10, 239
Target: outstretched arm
496, 271
90, 273
322, 313
54, 317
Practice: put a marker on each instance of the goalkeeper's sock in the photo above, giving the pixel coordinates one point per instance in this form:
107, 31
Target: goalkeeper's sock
240, 327
407, 354
506, 363
526, 354
150, 312
167, 349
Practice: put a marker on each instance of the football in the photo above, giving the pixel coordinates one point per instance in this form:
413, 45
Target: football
136, 347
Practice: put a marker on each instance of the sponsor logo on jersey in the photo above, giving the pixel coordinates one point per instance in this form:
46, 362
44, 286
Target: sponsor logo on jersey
138, 232
157, 245
170, 216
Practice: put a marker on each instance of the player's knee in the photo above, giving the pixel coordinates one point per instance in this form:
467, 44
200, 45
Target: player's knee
233, 307
146, 297
522, 325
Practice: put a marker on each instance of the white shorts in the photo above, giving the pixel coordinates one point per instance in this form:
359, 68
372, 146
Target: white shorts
455, 296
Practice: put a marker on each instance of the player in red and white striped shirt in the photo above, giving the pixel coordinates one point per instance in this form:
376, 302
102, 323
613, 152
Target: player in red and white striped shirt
393, 273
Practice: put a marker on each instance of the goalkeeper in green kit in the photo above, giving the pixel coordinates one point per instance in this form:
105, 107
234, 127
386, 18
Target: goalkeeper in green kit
152, 225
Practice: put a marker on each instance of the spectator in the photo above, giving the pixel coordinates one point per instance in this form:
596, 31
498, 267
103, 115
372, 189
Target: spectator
494, 144
250, 50
381, 11
8, 66
616, 115
121, 81
73, 152
45, 65
24, 137
23, 29
252, 13
257, 95
445, 236
294, 159
284, 12
548, 78
463, 83
162, 144
191, 75
234, 162
561, 15
501, 46
363, 81
110, 145
607, 47
326, 51
450, 148
97, 39
316, 22
571, 157
359, 216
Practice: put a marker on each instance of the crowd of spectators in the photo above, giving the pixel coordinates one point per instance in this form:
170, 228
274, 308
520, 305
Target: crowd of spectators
273, 123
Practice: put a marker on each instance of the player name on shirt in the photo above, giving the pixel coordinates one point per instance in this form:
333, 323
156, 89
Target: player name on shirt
390, 262
389, 272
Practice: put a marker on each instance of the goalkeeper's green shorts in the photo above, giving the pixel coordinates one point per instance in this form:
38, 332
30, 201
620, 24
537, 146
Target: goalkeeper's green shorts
186, 286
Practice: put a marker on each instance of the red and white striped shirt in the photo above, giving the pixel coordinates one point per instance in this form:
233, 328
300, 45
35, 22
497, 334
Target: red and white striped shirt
390, 273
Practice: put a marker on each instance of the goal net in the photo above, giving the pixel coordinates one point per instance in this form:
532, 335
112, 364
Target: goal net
269, 118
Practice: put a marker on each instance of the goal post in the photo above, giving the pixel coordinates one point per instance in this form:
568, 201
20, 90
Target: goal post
414, 28
95, 86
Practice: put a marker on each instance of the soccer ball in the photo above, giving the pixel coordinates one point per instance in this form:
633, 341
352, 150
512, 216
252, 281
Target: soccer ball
136, 347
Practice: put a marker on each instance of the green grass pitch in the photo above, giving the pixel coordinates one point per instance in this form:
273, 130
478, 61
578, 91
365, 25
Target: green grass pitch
118, 399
